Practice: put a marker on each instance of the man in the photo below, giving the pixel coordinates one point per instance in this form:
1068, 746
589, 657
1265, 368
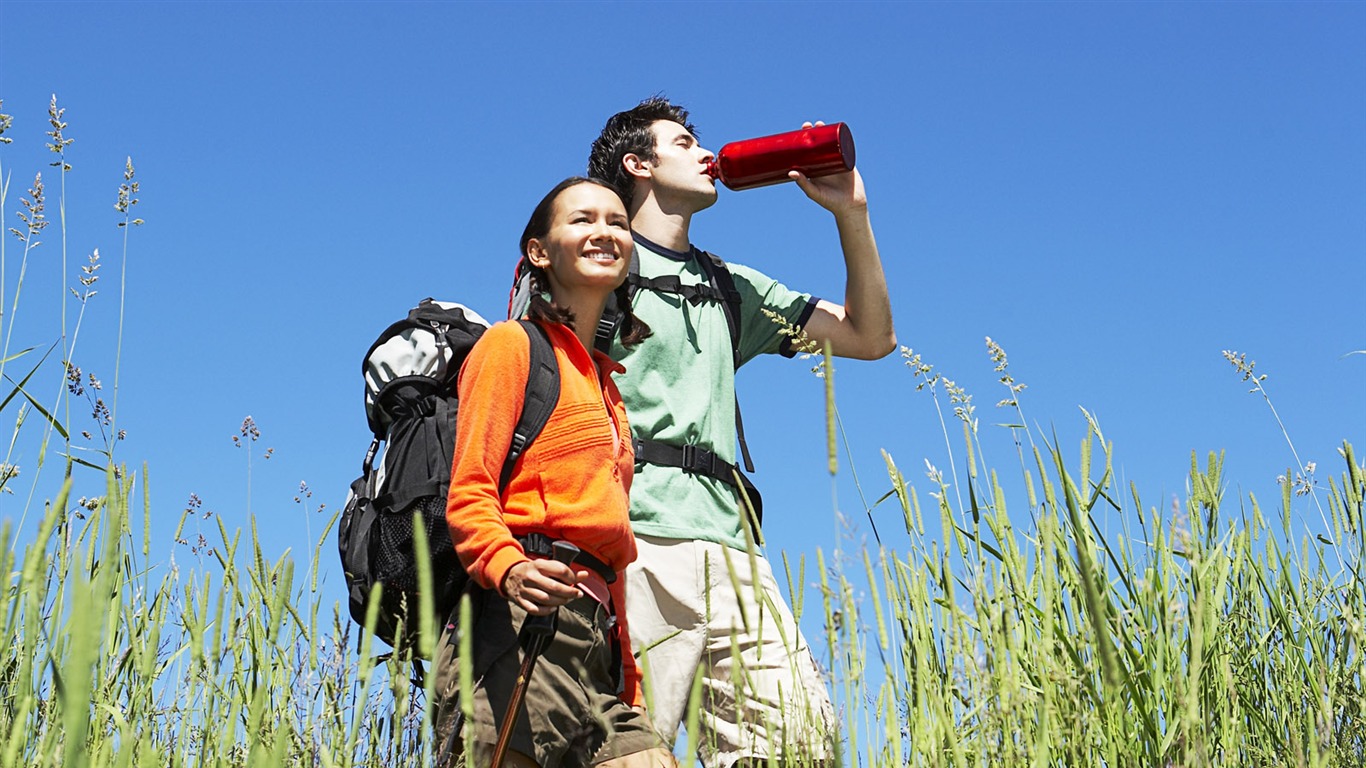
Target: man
763, 698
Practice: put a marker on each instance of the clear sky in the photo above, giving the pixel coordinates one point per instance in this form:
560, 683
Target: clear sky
1115, 192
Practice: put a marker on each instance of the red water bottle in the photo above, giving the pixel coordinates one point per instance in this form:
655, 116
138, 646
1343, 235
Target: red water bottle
818, 151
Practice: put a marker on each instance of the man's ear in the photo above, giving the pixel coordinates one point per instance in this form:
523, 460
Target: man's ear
636, 166
535, 253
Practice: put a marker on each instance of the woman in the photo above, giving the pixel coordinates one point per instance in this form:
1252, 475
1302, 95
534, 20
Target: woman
583, 702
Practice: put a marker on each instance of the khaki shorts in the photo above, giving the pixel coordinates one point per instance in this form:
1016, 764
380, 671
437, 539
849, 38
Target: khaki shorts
762, 695
571, 716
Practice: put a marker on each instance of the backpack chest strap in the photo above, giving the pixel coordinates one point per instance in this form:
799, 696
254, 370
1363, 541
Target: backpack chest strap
693, 459
693, 293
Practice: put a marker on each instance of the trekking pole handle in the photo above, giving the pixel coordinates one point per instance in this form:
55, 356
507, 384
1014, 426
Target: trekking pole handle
565, 552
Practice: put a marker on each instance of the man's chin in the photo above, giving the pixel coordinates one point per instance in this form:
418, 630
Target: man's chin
706, 199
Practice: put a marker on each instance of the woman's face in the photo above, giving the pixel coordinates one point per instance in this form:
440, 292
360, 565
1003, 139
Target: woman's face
589, 243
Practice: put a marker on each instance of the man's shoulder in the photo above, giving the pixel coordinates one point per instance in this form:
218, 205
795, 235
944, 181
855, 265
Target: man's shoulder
739, 271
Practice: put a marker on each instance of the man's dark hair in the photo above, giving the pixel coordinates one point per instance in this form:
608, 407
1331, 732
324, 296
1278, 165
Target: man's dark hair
629, 133
633, 329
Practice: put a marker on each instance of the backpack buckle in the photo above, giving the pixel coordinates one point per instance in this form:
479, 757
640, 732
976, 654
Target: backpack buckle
537, 544
607, 323
698, 461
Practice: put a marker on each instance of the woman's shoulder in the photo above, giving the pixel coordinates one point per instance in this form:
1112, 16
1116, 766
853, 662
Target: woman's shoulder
504, 332
504, 342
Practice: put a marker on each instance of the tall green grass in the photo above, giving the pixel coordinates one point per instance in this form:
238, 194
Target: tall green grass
110, 654
1102, 632
110, 662
1195, 635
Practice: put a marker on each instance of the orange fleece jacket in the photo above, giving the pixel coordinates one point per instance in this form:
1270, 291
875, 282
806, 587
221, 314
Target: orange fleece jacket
570, 484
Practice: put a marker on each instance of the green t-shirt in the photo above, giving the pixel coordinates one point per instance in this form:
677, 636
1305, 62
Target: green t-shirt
679, 388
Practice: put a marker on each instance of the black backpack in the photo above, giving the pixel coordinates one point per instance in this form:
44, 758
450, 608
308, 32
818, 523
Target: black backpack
410, 403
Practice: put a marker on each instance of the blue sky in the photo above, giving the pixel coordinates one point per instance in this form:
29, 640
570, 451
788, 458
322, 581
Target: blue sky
1115, 192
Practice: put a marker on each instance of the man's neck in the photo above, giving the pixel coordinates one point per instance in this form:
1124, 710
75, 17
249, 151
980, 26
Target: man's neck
668, 229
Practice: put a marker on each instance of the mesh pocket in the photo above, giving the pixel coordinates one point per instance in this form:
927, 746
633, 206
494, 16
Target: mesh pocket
396, 564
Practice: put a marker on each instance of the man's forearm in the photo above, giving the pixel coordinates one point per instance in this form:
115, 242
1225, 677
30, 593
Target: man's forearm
867, 308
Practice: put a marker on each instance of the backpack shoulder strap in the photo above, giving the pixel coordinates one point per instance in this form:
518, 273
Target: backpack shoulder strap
724, 282
610, 322
542, 394
720, 278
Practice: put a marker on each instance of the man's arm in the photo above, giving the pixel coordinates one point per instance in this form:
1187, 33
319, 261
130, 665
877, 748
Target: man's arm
862, 327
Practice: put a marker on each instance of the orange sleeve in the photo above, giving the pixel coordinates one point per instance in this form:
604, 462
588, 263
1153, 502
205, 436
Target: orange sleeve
492, 386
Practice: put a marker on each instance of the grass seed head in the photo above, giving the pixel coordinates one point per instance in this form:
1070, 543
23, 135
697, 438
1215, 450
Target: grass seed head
5, 122
32, 215
89, 272
74, 380
919, 368
127, 195
59, 141
1244, 366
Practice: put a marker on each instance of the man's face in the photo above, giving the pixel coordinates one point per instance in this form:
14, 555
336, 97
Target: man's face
679, 170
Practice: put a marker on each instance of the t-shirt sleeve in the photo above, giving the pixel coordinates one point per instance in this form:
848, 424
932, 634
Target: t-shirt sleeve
762, 297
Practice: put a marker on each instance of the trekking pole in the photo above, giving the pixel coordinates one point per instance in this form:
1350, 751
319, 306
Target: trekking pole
537, 633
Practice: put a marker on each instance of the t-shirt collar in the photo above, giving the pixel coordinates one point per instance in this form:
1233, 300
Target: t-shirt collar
667, 253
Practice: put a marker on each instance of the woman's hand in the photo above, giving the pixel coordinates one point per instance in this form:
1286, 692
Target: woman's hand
541, 586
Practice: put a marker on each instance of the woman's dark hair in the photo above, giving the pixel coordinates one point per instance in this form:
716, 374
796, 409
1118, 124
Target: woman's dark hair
633, 330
